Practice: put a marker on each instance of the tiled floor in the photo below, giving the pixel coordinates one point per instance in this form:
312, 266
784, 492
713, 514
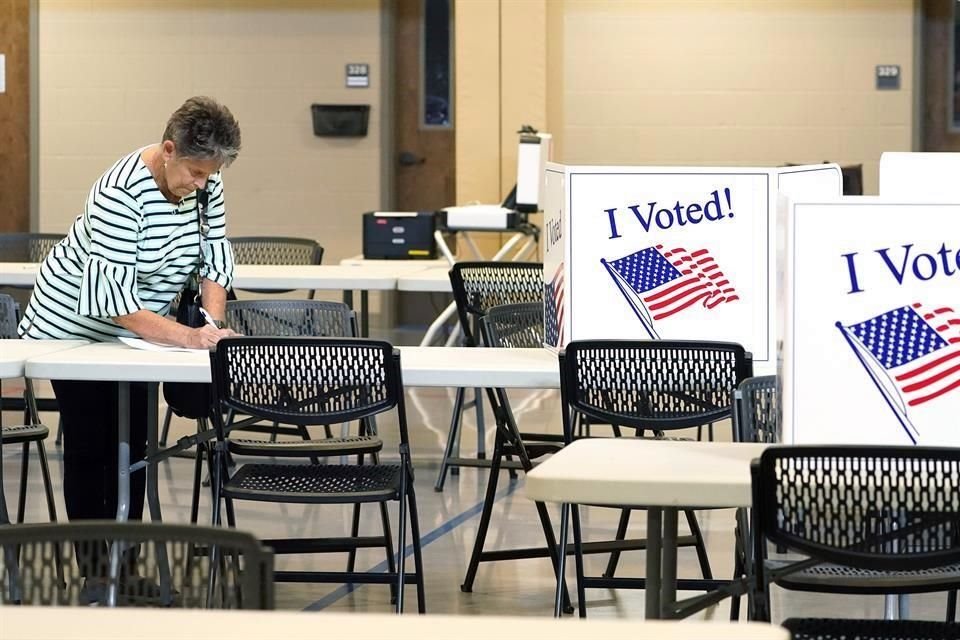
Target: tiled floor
448, 522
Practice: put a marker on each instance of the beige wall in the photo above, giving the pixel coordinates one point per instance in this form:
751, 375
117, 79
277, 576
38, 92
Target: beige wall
111, 72
722, 82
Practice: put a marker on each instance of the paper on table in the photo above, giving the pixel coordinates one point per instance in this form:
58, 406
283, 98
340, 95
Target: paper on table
139, 343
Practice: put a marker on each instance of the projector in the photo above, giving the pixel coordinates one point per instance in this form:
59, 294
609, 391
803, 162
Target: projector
480, 216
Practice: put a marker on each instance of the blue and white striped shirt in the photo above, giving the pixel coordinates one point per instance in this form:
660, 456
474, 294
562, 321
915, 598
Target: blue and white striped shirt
131, 249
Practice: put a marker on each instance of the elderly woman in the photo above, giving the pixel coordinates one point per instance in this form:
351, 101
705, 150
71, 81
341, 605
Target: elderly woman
116, 273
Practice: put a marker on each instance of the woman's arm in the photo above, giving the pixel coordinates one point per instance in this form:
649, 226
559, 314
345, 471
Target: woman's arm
155, 328
214, 299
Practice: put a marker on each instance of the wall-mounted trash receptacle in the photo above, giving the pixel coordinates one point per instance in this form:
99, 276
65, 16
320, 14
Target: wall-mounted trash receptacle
340, 120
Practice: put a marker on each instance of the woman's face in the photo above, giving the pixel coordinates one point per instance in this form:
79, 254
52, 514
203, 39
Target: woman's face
186, 175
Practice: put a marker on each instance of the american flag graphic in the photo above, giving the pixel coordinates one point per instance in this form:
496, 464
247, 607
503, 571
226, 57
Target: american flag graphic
912, 353
669, 281
553, 316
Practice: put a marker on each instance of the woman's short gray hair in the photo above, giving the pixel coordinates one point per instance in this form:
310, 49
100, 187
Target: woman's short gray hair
204, 129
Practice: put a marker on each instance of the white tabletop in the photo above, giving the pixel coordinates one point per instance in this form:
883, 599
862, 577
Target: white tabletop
18, 274
84, 623
434, 279
323, 276
14, 353
479, 367
402, 264
422, 366
631, 471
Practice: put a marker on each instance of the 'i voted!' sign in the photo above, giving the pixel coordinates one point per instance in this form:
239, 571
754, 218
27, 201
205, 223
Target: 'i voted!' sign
871, 348
667, 252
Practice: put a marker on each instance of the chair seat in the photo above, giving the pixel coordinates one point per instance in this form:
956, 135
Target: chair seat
353, 445
315, 483
844, 629
18, 434
829, 577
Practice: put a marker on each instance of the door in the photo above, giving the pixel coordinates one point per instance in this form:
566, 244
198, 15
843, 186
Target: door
941, 83
423, 105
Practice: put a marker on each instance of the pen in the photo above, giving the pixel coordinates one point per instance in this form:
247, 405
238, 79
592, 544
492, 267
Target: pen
208, 318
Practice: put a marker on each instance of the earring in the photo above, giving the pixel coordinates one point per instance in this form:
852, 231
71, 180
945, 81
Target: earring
164, 165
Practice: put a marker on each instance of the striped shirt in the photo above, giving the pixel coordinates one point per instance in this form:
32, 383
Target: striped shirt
131, 249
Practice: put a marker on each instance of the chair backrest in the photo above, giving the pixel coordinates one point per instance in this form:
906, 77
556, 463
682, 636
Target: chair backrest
8, 316
317, 318
756, 414
27, 247
479, 286
185, 553
516, 326
882, 508
275, 250
308, 380
651, 384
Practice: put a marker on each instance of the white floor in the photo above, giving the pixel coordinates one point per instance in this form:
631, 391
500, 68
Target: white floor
449, 521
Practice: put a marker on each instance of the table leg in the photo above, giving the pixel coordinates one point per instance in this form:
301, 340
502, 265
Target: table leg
123, 452
654, 533
668, 567
348, 299
364, 313
562, 557
123, 483
153, 487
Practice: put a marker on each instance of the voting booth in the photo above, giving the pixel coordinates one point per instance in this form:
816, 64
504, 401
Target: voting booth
909, 176
871, 333
668, 252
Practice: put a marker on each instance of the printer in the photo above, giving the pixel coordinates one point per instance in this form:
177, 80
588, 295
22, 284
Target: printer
399, 235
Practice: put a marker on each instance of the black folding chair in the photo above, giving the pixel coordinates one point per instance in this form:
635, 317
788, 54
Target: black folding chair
844, 629
512, 326
276, 250
316, 381
756, 418
659, 385
869, 520
477, 287
31, 432
163, 565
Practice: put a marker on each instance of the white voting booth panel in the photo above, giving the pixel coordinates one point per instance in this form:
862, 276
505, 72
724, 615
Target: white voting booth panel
911, 176
871, 335
668, 252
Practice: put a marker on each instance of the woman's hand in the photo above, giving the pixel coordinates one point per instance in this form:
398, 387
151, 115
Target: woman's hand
207, 337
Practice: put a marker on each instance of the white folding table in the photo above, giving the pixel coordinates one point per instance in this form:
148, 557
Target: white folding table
18, 274
92, 623
421, 366
661, 476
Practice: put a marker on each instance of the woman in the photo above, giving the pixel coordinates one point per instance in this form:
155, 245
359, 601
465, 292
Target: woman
116, 273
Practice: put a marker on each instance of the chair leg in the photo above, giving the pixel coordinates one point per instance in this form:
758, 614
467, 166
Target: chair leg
738, 572
24, 465
488, 500
388, 548
197, 480
59, 440
452, 437
167, 417
51, 504
402, 539
417, 551
952, 606
578, 561
562, 560
621, 535
554, 557
700, 545
481, 424
354, 532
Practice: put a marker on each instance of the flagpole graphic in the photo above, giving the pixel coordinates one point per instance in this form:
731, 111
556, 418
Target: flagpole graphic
553, 293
